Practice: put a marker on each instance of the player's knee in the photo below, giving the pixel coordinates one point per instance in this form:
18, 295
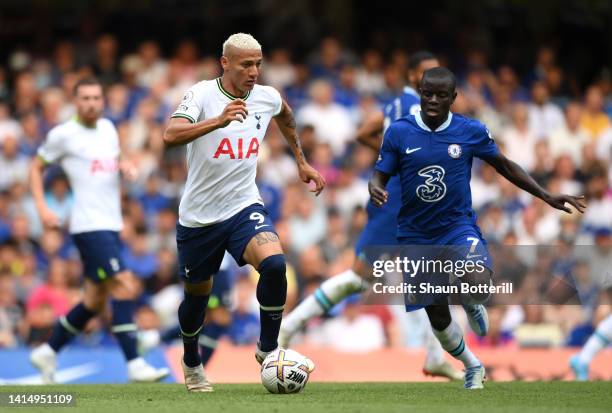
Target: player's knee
124, 286
95, 303
478, 293
272, 286
201, 289
273, 267
439, 316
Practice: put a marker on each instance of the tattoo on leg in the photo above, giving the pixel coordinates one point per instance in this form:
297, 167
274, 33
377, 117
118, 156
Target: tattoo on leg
261, 238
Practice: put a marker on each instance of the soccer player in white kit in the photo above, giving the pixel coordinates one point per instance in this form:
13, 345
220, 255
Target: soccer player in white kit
87, 148
223, 122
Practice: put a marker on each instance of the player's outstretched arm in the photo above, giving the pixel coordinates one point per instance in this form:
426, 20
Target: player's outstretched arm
370, 131
377, 186
181, 131
286, 123
517, 175
48, 218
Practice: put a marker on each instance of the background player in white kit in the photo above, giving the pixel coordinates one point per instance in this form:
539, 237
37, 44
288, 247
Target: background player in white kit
223, 122
87, 148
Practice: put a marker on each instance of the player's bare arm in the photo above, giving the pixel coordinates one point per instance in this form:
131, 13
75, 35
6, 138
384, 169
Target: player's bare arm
181, 131
286, 123
377, 186
48, 218
369, 133
517, 175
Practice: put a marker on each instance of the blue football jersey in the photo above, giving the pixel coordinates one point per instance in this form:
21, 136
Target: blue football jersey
435, 170
408, 103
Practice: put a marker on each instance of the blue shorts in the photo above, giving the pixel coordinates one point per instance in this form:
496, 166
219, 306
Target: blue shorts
463, 243
201, 250
381, 228
101, 254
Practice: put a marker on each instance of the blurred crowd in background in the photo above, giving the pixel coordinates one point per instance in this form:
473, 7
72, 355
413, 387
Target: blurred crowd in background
561, 134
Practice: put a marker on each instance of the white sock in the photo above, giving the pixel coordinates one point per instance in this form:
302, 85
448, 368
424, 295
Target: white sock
600, 339
330, 293
435, 352
452, 341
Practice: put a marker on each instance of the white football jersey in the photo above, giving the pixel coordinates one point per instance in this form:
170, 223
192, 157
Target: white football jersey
90, 158
223, 163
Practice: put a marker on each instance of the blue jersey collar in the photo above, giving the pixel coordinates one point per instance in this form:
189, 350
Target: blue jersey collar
422, 124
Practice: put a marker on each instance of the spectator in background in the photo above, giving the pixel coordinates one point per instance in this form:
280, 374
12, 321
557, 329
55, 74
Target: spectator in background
279, 72
594, 120
346, 93
353, 331
278, 168
11, 314
309, 223
245, 323
332, 122
569, 138
329, 59
508, 79
369, 79
30, 134
151, 67
59, 199
544, 116
138, 258
519, 142
106, 63
13, 165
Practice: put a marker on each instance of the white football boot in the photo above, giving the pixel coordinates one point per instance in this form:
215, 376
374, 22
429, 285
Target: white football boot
474, 377
44, 358
139, 371
195, 379
478, 317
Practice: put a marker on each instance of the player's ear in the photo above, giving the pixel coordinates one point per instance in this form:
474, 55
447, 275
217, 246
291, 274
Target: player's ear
454, 96
224, 62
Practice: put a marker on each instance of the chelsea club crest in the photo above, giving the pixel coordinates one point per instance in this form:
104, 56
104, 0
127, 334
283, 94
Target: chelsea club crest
454, 151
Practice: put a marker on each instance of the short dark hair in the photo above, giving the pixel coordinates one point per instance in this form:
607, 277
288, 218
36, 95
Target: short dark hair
87, 81
416, 58
441, 73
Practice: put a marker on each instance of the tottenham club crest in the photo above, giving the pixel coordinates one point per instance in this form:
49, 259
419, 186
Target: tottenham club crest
454, 151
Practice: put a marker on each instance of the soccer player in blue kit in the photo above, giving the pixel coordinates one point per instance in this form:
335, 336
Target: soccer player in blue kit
432, 151
381, 231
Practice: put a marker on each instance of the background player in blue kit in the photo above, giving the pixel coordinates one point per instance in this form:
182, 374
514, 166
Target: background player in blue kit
432, 151
379, 231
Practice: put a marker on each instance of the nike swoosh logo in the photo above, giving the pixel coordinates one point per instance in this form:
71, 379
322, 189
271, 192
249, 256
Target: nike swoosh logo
470, 256
409, 151
61, 376
261, 226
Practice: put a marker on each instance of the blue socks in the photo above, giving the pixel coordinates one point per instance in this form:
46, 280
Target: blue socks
271, 294
124, 328
70, 325
191, 317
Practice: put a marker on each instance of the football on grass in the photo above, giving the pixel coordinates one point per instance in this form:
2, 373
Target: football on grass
285, 371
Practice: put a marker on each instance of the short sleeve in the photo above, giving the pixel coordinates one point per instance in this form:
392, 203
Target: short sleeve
485, 146
52, 149
388, 157
277, 101
191, 105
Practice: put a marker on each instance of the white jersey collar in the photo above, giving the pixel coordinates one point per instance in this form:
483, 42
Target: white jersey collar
440, 128
411, 91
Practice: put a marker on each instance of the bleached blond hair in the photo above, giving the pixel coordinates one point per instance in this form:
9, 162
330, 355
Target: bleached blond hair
242, 41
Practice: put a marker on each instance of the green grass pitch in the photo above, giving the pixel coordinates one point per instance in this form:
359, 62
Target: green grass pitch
523, 397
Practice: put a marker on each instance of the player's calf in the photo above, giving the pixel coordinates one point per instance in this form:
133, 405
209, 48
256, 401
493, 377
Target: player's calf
191, 315
271, 294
